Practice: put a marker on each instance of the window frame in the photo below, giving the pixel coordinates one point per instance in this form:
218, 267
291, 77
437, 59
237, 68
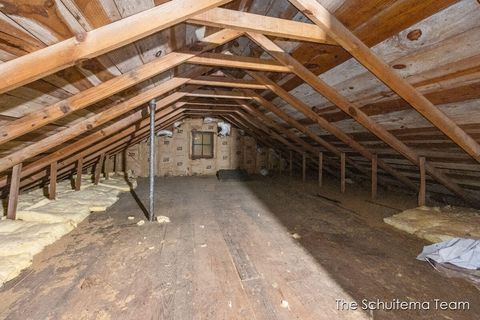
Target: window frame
202, 133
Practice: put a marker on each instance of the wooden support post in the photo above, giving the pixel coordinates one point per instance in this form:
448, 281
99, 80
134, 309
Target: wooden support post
320, 169
374, 176
290, 168
107, 168
14, 191
78, 180
115, 163
342, 172
423, 185
52, 190
304, 167
98, 169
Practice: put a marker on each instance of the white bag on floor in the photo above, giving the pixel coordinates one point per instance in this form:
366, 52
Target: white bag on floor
464, 253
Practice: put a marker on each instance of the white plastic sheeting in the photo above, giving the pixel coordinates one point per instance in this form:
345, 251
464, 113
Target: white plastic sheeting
464, 253
224, 129
210, 120
165, 133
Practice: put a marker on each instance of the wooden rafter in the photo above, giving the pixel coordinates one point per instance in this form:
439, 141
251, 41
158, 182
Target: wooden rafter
101, 118
335, 29
323, 123
355, 112
123, 137
58, 110
87, 45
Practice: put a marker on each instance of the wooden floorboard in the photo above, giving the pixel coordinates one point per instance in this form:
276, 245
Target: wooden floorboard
229, 253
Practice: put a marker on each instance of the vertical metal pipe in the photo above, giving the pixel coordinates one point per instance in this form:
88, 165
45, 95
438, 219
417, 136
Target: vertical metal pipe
152, 105
304, 167
423, 185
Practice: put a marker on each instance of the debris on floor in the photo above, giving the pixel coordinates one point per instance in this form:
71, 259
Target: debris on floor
141, 223
438, 224
296, 236
41, 221
131, 218
163, 219
285, 304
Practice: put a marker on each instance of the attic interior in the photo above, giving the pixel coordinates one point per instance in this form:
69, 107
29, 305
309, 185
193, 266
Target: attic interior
245, 159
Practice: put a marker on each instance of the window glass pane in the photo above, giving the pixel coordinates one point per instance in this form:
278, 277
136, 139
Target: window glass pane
207, 151
197, 138
207, 138
197, 150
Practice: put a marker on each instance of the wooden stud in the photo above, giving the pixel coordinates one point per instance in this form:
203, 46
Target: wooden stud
342, 172
304, 167
116, 158
107, 168
78, 180
423, 185
52, 190
14, 191
320, 169
374, 176
290, 167
98, 169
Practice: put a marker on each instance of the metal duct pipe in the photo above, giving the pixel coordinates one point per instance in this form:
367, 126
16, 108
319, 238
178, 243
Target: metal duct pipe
152, 106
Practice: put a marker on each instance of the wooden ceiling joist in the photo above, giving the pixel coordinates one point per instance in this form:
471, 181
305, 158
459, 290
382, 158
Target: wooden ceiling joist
87, 45
239, 62
224, 82
218, 94
335, 29
244, 21
356, 113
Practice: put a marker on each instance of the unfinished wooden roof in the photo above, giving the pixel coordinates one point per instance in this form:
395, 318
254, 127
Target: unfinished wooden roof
393, 80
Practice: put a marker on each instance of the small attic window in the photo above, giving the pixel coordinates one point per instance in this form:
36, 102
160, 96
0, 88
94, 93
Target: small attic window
202, 145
